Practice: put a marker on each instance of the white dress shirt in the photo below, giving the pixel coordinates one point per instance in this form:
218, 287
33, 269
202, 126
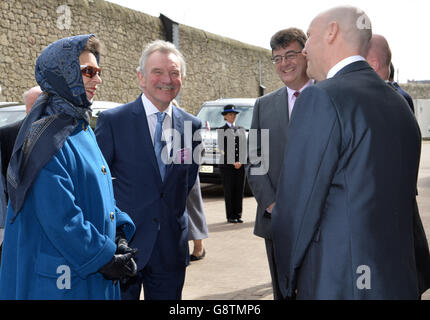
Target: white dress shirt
151, 115
342, 64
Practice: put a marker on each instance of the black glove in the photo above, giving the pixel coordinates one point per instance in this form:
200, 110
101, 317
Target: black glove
121, 242
120, 266
123, 248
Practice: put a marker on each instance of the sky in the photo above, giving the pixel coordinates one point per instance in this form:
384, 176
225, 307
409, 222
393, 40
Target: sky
402, 23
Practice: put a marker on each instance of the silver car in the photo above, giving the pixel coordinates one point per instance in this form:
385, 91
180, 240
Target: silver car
11, 112
212, 119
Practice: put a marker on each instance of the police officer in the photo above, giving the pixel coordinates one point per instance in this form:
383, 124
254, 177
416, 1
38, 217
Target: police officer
232, 168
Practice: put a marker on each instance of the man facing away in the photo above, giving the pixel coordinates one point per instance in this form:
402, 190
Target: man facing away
273, 112
153, 174
379, 58
344, 224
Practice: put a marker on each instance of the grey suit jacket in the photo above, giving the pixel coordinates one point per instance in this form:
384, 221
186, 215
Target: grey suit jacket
197, 227
270, 112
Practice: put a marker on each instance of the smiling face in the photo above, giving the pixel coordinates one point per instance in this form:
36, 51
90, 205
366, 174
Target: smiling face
230, 117
161, 79
292, 71
90, 84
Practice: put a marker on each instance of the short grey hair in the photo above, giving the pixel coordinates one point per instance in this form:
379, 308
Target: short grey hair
163, 47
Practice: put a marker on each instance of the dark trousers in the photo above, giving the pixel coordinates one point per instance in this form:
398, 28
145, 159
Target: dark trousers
156, 285
234, 183
277, 295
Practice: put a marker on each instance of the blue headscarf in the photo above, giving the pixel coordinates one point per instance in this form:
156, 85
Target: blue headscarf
53, 117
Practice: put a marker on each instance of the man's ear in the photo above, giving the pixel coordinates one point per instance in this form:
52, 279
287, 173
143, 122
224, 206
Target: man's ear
141, 79
139, 76
332, 32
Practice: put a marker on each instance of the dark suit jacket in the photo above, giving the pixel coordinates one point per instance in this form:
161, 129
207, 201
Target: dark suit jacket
8, 135
271, 113
156, 207
344, 224
405, 95
238, 133
7, 141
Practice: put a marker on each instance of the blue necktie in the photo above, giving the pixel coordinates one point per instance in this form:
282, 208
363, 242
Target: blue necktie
159, 144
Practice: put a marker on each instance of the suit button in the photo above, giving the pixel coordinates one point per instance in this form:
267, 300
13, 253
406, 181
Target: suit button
112, 216
155, 220
104, 169
161, 195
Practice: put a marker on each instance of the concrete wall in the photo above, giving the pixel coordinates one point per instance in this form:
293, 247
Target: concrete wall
422, 113
217, 67
417, 91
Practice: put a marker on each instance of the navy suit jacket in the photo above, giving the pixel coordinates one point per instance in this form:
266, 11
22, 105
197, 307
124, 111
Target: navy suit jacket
345, 224
157, 208
405, 95
8, 135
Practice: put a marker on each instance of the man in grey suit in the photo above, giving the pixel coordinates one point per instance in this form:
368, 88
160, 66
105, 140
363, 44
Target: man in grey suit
345, 224
272, 112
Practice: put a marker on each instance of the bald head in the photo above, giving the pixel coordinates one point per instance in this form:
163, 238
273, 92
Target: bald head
379, 56
337, 33
354, 27
30, 97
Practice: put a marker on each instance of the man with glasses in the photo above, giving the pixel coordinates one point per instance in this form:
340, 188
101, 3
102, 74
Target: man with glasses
273, 111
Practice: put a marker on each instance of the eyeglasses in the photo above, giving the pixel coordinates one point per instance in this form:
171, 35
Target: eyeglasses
89, 71
290, 55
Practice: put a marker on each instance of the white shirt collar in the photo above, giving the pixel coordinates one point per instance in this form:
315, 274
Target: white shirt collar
150, 109
342, 64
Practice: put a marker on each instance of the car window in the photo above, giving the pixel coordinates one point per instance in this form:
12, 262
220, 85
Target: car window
99, 106
11, 112
8, 117
212, 114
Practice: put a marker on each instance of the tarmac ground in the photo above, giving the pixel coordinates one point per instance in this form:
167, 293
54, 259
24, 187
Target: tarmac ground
235, 266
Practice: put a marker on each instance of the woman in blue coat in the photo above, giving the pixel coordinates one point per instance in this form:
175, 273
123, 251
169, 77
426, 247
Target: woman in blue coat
64, 236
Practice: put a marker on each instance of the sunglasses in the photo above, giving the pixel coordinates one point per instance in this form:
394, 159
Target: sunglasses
89, 71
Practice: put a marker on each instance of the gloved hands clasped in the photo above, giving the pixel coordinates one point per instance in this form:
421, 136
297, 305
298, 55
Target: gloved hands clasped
122, 265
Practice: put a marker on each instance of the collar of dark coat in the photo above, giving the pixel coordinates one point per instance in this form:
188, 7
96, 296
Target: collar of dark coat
353, 67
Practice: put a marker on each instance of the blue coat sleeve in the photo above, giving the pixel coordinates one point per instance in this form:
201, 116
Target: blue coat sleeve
124, 221
309, 164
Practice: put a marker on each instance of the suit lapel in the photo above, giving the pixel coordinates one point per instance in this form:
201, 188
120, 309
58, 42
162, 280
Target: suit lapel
281, 110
